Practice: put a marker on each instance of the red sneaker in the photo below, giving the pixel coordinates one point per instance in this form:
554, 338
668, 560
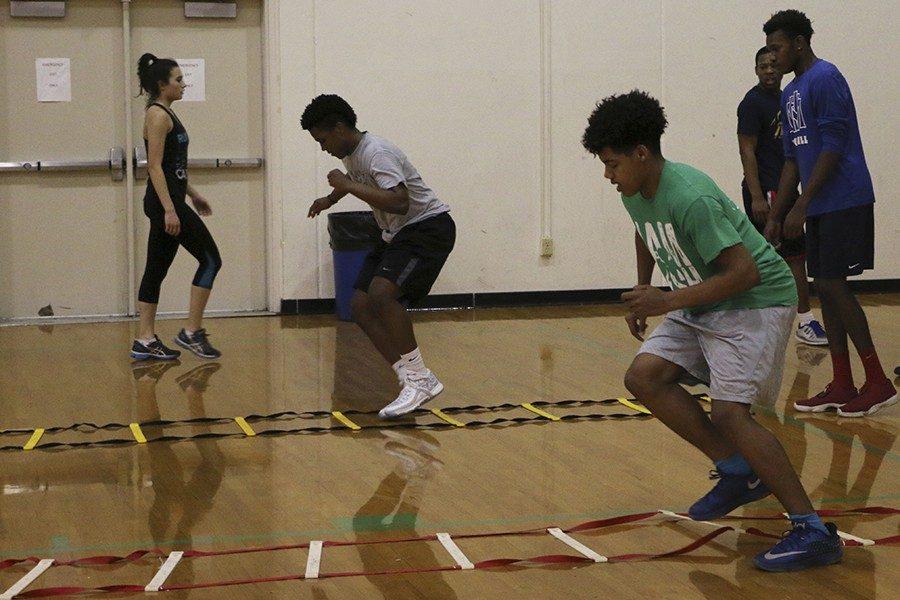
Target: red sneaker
832, 397
871, 399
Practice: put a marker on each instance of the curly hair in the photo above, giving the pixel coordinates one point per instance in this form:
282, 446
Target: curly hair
791, 22
325, 111
622, 122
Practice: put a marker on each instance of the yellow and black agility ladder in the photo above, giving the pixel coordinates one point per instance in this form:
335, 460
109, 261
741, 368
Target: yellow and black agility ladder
341, 421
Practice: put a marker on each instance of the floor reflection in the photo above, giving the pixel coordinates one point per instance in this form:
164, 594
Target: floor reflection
183, 492
362, 378
393, 510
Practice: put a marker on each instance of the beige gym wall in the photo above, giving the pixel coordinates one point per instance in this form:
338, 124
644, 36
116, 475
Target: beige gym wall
457, 85
66, 238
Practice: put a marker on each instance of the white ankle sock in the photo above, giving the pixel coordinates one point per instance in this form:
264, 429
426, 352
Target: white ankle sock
413, 363
399, 368
147, 341
805, 318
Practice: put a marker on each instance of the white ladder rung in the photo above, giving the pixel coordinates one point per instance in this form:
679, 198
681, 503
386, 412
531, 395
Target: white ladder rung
27, 579
576, 545
849, 536
314, 560
457, 554
164, 571
674, 515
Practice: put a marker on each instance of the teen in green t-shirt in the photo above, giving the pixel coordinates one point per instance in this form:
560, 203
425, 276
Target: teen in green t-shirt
687, 224
729, 315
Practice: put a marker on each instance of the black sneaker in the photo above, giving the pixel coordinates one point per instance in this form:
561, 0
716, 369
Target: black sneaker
155, 350
198, 377
151, 369
198, 343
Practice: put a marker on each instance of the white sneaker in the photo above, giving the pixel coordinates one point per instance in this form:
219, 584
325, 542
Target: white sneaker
419, 441
812, 333
401, 377
415, 393
415, 455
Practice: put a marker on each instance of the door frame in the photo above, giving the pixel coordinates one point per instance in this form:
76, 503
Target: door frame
272, 155
273, 197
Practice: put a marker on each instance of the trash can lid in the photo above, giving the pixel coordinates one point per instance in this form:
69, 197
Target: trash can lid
353, 230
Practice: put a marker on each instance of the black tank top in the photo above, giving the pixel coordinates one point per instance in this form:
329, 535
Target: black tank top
174, 161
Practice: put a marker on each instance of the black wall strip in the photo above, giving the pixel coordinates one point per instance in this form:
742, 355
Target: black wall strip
548, 298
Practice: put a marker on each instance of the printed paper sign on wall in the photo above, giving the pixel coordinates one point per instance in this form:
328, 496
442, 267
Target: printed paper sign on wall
194, 71
54, 79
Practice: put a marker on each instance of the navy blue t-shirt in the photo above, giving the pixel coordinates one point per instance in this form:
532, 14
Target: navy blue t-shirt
759, 115
818, 114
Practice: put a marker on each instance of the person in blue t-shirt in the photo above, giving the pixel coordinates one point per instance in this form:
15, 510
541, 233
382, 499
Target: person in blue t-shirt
823, 150
762, 156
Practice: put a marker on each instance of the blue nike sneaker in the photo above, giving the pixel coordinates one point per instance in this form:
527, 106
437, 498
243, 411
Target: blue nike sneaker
731, 491
801, 548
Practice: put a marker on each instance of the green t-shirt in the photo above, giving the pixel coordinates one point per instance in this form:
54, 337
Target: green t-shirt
689, 222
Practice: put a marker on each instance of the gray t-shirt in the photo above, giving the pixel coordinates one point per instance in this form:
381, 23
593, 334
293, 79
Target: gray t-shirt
378, 163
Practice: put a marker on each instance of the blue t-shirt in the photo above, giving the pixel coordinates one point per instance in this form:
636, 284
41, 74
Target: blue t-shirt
818, 114
759, 116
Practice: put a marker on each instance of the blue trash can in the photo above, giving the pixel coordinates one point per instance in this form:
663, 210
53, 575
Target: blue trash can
352, 235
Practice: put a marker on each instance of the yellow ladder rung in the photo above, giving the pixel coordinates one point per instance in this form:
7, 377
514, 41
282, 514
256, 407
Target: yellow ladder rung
444, 416
633, 406
539, 412
245, 426
137, 433
33, 440
343, 419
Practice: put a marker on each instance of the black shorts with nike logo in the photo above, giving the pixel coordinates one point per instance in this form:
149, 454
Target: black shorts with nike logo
413, 259
841, 243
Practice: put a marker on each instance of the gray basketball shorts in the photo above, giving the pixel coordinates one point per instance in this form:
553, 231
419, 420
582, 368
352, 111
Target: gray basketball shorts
739, 353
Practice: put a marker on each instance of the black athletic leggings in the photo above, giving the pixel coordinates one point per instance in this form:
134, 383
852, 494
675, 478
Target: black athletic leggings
162, 247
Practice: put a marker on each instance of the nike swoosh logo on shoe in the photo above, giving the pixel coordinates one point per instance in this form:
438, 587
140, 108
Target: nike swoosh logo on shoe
770, 556
754, 485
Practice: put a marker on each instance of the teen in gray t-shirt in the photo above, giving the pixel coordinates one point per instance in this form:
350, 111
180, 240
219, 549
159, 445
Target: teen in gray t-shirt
417, 231
378, 163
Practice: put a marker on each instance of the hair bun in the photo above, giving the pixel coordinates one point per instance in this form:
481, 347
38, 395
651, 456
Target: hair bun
146, 60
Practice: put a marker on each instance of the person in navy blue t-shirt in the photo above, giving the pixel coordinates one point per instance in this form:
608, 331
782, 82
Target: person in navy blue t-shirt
823, 150
762, 156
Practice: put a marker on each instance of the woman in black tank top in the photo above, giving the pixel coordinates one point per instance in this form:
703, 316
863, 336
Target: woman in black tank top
172, 222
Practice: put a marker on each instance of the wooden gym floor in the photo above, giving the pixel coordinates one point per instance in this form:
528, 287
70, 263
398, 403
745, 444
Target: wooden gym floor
340, 485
